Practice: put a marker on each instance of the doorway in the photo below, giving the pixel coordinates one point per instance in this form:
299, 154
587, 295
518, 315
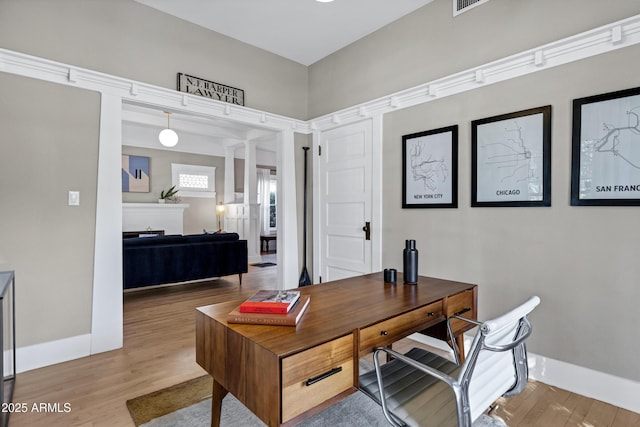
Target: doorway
347, 217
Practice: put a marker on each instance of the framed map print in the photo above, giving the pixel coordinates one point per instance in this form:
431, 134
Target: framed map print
430, 169
511, 159
605, 158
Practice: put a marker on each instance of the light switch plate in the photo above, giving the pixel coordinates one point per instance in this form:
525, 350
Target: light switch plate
74, 198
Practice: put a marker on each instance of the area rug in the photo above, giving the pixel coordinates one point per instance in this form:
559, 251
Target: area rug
264, 264
174, 406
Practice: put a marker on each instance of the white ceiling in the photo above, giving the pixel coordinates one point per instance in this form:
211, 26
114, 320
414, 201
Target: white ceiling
304, 31
198, 134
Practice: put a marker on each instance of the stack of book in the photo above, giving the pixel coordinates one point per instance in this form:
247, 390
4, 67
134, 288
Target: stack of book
271, 307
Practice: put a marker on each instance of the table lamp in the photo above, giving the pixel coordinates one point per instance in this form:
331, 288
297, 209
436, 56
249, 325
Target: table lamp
219, 214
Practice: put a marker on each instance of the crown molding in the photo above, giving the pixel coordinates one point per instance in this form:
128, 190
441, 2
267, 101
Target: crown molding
142, 93
617, 35
603, 39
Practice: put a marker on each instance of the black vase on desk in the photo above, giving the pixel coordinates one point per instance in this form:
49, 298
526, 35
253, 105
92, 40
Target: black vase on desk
410, 263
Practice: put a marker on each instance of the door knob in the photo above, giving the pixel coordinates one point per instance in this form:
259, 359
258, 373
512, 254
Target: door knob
367, 230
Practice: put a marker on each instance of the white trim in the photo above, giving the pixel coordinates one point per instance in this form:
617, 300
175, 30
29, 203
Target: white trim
617, 391
141, 93
106, 307
168, 217
254, 259
613, 36
287, 219
604, 39
376, 193
52, 352
317, 213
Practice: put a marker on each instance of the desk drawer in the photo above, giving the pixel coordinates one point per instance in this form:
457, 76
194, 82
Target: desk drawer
457, 303
387, 332
315, 375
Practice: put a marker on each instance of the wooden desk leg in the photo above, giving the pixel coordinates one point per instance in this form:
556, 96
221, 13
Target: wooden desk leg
217, 395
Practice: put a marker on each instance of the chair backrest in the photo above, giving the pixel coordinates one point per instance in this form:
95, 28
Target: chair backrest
496, 363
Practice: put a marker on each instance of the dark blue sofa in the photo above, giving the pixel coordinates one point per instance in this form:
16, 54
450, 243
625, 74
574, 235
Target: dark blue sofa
159, 260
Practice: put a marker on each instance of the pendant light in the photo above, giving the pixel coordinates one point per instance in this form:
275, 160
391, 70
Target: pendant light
167, 136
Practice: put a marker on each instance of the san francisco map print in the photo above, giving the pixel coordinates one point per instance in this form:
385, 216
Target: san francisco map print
610, 149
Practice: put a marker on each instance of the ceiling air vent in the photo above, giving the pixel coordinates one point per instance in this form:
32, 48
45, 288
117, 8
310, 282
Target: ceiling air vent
460, 6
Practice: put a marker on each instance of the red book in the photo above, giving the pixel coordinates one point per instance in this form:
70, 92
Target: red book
270, 301
290, 319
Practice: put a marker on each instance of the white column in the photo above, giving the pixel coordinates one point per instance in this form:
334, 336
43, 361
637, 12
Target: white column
287, 217
106, 323
229, 175
251, 202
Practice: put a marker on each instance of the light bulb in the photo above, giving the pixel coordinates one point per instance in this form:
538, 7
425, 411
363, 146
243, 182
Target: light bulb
168, 138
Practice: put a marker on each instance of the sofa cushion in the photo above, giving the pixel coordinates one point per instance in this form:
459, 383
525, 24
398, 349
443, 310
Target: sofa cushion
170, 259
211, 237
157, 240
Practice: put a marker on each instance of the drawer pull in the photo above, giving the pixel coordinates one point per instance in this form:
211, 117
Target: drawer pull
321, 377
431, 314
464, 310
384, 333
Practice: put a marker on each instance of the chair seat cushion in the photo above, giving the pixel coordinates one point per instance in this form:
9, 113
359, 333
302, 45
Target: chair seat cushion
413, 396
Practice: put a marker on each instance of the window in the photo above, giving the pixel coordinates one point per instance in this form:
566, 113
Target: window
272, 203
194, 181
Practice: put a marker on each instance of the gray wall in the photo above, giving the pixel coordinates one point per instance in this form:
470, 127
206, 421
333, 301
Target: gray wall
49, 146
430, 43
580, 260
53, 131
127, 39
201, 212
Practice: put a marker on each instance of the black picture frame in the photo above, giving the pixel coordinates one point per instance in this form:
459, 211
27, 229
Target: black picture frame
430, 168
511, 159
605, 156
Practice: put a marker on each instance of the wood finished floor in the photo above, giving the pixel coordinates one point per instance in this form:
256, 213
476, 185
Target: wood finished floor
159, 351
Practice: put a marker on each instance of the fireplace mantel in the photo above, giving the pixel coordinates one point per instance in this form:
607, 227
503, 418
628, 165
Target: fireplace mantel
153, 216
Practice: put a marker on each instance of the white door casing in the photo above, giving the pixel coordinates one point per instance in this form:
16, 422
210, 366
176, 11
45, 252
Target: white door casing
344, 158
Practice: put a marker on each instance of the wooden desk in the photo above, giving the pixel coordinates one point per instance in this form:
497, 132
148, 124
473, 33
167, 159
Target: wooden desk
272, 369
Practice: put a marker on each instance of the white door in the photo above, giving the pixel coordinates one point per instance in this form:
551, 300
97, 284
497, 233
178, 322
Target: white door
345, 181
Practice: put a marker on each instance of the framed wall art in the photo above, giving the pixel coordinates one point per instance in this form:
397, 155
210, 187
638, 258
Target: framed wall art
605, 159
430, 169
511, 159
135, 174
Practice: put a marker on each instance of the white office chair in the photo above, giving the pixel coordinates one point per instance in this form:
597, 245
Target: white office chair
423, 389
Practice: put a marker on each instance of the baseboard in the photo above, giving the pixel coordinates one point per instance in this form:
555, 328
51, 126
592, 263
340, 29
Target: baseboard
254, 259
52, 352
617, 391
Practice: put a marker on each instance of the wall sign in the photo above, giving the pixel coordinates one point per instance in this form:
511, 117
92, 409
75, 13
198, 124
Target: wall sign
209, 89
